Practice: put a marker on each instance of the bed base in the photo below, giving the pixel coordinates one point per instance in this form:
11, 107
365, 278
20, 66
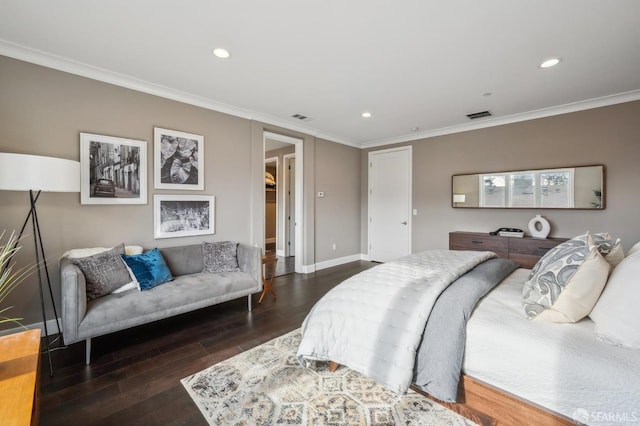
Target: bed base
487, 405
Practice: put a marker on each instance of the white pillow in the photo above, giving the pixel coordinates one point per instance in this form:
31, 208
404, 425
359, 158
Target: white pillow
617, 313
634, 250
84, 252
128, 250
565, 283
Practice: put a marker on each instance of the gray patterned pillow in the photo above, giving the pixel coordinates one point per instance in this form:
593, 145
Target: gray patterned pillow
220, 256
566, 283
610, 248
104, 272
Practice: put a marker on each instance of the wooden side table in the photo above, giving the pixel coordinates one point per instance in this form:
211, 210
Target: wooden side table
267, 284
19, 361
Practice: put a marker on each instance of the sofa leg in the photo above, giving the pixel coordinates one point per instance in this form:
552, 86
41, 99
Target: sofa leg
87, 357
249, 302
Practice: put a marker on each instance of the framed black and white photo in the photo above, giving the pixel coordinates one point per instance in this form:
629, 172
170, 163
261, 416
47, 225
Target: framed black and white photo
183, 215
178, 160
112, 170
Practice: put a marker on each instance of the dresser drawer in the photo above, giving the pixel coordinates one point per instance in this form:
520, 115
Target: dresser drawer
479, 242
532, 246
524, 260
524, 251
527, 251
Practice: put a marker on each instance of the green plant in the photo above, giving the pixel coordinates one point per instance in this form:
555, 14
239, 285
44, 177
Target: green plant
9, 279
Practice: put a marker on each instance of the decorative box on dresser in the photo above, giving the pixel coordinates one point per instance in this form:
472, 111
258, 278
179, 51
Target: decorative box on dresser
525, 251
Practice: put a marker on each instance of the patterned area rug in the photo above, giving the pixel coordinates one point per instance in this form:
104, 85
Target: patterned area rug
267, 386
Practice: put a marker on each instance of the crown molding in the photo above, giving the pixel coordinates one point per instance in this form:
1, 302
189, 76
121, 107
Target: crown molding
619, 98
60, 63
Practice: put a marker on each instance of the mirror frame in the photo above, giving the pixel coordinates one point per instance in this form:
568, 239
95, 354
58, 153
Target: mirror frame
602, 196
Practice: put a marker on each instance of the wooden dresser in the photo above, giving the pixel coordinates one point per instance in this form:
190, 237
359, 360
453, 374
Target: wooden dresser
19, 360
524, 251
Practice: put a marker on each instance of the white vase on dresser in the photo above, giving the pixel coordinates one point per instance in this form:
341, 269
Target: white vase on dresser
539, 227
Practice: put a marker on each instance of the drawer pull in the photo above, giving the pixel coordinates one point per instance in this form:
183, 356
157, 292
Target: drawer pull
477, 242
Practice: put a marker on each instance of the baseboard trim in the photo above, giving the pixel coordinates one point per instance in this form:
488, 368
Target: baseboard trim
339, 261
51, 326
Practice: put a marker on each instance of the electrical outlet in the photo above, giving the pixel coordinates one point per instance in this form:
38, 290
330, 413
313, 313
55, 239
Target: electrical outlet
333, 246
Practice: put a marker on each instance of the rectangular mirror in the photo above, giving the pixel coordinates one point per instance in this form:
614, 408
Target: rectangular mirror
561, 188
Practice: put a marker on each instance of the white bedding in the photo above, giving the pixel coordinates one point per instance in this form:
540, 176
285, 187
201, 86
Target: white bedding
373, 322
562, 367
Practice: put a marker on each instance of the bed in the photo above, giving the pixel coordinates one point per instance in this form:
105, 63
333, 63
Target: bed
515, 370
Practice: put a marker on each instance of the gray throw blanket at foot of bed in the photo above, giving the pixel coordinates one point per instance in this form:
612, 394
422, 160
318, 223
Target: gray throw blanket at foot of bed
373, 322
439, 359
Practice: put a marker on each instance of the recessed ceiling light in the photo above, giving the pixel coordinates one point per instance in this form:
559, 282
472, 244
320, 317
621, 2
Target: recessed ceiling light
550, 63
366, 114
221, 53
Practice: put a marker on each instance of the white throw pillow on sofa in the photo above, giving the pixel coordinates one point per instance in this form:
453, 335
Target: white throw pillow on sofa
84, 252
617, 313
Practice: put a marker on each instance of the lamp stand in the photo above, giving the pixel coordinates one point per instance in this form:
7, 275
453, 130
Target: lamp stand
39, 247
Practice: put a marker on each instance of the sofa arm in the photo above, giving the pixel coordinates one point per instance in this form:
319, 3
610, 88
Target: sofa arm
250, 261
73, 290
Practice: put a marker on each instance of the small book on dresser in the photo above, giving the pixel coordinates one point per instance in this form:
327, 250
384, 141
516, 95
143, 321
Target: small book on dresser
511, 234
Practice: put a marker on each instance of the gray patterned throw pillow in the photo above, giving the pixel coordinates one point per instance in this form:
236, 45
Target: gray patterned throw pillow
610, 248
104, 272
566, 283
220, 256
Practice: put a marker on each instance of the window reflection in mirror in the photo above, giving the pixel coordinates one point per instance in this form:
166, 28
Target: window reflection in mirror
561, 188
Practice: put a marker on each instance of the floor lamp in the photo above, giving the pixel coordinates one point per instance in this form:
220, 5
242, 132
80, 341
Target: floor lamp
34, 173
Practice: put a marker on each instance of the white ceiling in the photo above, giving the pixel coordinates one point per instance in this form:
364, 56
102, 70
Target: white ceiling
412, 64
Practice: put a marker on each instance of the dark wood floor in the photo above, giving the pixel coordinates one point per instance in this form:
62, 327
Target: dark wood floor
134, 377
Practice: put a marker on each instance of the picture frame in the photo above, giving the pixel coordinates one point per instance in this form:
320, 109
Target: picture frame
112, 170
178, 160
183, 215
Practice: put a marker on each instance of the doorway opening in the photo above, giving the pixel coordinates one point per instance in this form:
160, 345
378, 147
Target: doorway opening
283, 201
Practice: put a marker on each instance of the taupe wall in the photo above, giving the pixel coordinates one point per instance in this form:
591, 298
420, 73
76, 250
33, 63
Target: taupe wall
42, 111
338, 176
608, 135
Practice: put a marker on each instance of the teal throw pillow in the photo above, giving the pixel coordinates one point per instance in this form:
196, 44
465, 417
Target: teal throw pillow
149, 268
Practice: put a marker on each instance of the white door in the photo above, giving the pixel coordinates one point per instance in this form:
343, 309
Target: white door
290, 240
389, 204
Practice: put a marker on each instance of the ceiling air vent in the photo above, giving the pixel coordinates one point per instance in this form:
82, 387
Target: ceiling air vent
301, 117
480, 114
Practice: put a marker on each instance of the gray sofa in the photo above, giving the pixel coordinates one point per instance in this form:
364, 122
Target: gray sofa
190, 289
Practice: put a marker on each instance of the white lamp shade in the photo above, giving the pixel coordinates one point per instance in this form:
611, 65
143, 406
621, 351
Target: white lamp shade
22, 172
459, 198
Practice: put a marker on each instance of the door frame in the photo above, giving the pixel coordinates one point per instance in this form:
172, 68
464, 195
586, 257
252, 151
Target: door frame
299, 219
408, 148
286, 205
